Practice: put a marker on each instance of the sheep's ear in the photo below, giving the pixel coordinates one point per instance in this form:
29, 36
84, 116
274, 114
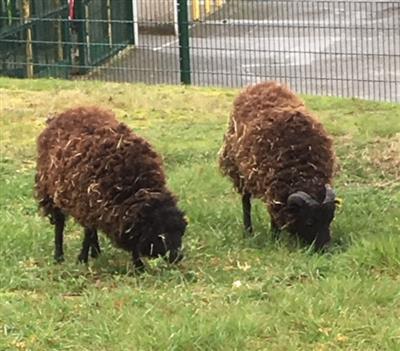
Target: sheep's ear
298, 199
329, 195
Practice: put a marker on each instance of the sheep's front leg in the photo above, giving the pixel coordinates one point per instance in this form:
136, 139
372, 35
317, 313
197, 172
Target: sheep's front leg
59, 222
246, 205
137, 262
274, 230
94, 245
86, 243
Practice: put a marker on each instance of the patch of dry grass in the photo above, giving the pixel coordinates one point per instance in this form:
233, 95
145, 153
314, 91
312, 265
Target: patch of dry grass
385, 156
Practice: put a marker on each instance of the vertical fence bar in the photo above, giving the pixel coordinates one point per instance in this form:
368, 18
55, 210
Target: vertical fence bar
176, 29
109, 24
26, 8
58, 28
184, 49
67, 47
135, 23
88, 30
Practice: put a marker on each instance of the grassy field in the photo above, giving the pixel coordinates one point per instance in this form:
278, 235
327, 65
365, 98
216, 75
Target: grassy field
229, 293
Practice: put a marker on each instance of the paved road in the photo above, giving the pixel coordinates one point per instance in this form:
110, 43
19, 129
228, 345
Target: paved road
325, 48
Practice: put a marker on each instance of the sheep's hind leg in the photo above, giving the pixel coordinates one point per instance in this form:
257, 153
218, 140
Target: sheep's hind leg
246, 205
94, 245
58, 219
86, 244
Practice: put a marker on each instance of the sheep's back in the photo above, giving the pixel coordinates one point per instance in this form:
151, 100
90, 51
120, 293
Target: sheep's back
91, 167
258, 100
274, 146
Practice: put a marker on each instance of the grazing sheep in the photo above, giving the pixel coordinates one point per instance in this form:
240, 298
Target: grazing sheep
97, 170
275, 150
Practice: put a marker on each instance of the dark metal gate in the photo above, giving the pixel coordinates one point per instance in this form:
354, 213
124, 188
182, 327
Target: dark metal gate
103, 28
34, 39
39, 39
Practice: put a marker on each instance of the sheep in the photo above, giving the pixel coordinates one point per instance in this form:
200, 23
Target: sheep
95, 169
276, 151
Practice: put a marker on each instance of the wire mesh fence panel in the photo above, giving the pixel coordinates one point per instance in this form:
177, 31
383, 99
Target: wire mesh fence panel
344, 48
50, 33
324, 47
155, 25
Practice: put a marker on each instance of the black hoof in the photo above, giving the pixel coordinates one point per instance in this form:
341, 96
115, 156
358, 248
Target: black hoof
82, 259
59, 258
138, 266
94, 253
248, 232
175, 257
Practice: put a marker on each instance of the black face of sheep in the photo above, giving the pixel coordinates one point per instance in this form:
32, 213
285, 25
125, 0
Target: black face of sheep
162, 236
311, 219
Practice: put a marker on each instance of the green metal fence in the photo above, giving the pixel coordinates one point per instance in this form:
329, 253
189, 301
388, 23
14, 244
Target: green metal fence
326, 47
38, 39
25, 35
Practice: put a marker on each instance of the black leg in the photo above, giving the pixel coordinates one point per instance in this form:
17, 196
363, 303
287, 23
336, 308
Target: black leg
94, 245
137, 262
274, 230
59, 222
246, 205
87, 241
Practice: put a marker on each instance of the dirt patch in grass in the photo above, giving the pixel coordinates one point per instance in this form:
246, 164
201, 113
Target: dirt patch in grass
385, 155
375, 162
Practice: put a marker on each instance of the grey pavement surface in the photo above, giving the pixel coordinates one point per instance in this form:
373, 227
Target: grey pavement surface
340, 48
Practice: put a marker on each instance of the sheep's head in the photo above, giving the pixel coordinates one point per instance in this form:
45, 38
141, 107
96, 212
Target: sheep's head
163, 234
311, 219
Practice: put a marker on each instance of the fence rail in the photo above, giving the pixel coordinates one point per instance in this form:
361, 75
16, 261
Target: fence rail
324, 47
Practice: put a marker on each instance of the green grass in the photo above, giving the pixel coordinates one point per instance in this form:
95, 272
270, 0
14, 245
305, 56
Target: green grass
229, 293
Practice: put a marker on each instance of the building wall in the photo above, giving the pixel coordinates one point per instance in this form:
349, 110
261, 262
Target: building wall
160, 16
159, 11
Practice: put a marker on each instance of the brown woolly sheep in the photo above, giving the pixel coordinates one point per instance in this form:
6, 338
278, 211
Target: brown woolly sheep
275, 150
97, 170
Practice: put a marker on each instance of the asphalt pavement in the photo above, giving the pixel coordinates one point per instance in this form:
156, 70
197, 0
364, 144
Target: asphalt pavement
340, 48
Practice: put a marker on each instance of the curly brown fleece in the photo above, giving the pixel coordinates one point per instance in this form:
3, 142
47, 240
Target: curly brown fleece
275, 147
98, 171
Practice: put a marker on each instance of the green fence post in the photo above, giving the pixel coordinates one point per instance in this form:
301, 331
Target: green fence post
184, 49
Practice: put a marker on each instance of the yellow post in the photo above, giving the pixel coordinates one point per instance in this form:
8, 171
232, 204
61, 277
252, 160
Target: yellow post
218, 3
26, 14
58, 29
195, 10
207, 6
